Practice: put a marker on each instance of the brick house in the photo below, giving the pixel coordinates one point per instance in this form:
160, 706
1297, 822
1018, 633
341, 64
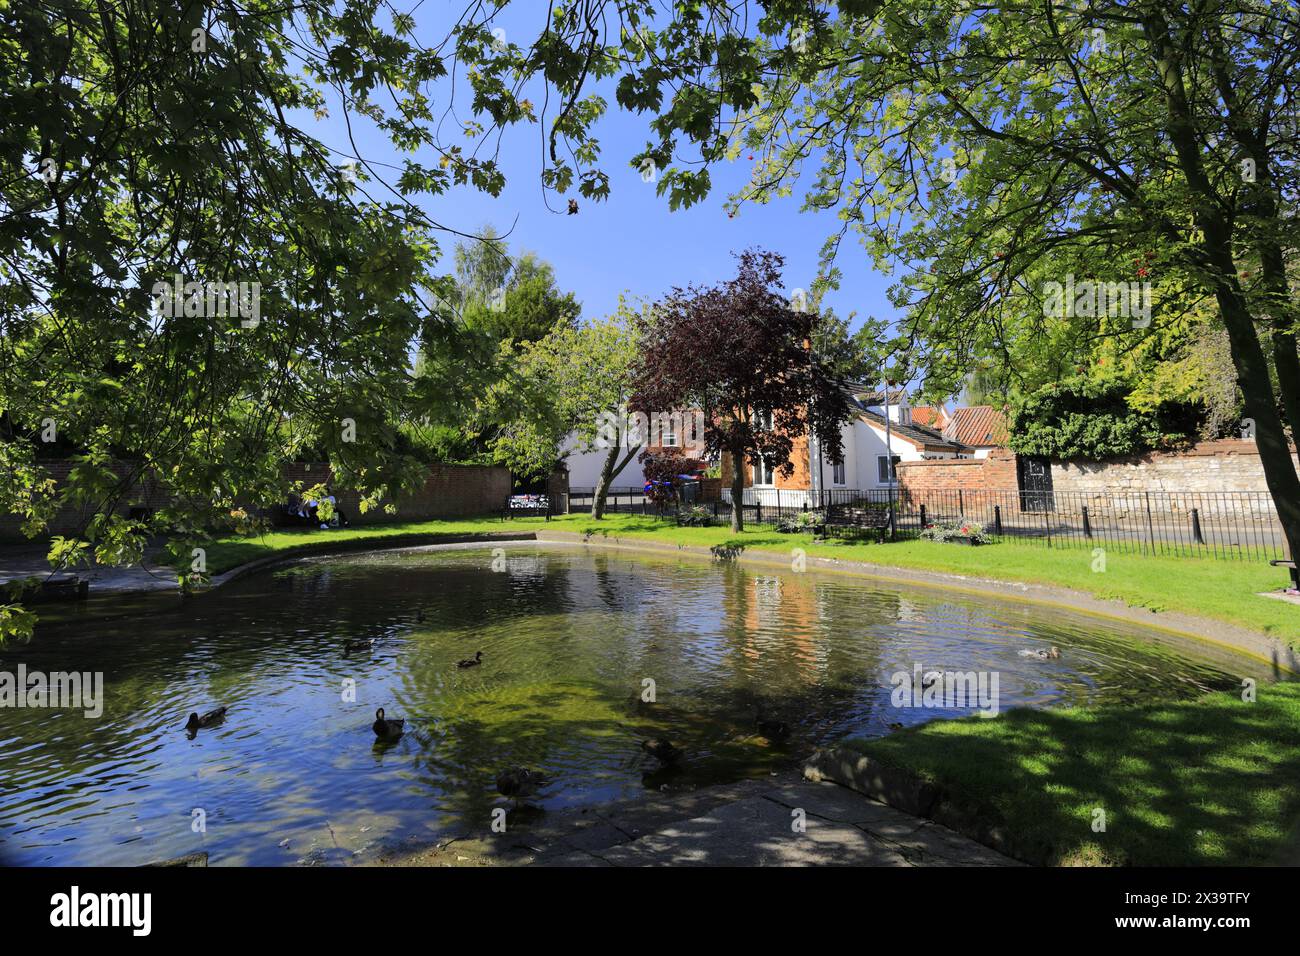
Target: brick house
882, 426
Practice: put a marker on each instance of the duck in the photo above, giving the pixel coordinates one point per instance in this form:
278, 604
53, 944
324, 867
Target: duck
1051, 654
774, 730
363, 644
474, 661
519, 783
207, 720
387, 728
663, 750
895, 726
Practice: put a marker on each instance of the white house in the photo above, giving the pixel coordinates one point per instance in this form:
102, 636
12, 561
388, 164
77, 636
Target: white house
868, 445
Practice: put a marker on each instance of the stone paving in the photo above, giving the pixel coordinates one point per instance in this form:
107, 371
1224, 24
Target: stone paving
743, 824
23, 561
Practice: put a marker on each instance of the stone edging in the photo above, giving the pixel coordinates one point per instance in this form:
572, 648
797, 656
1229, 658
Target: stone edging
1219, 633
1206, 630
904, 790
351, 545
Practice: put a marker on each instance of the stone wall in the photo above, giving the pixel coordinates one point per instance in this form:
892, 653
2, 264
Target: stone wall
1217, 466
449, 491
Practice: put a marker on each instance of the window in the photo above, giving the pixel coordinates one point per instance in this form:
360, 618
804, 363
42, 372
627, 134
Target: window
764, 473
668, 439
763, 419
837, 473
884, 471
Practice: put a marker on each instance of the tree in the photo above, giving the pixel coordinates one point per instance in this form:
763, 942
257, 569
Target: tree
853, 356
739, 353
152, 140
571, 385
1083, 418
988, 150
663, 469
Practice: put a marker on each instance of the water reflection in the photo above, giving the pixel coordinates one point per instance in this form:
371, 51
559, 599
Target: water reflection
569, 639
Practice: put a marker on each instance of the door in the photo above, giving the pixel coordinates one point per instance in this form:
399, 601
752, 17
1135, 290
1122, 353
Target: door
1034, 476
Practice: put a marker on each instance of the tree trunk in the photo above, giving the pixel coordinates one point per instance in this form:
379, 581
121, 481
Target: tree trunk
737, 490
1216, 255
1270, 439
610, 470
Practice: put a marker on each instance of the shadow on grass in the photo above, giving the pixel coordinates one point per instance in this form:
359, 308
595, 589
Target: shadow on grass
1213, 780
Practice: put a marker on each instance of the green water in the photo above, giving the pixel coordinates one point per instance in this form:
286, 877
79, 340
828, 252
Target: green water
568, 638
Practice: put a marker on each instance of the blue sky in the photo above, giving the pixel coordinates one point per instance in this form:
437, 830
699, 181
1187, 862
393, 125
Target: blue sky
630, 242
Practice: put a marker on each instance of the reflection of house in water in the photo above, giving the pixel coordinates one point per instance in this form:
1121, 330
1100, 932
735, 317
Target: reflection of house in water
782, 616
909, 610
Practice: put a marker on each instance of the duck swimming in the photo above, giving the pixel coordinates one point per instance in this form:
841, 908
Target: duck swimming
364, 644
519, 783
387, 728
662, 749
207, 720
474, 661
773, 730
1051, 654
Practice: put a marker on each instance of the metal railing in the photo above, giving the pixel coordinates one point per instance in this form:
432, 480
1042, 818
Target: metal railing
621, 500
1228, 525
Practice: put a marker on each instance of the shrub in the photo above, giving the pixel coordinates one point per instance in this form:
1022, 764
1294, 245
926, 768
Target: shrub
804, 522
1090, 419
695, 517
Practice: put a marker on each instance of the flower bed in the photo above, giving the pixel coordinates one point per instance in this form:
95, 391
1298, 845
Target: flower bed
960, 531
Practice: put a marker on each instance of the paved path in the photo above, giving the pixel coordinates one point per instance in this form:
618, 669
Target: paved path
744, 824
23, 561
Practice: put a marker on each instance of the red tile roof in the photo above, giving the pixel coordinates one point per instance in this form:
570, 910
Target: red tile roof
980, 426
930, 416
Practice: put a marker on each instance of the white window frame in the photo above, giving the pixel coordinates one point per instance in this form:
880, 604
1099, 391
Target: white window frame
838, 470
759, 468
880, 460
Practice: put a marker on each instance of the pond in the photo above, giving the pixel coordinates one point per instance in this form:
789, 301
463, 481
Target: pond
569, 636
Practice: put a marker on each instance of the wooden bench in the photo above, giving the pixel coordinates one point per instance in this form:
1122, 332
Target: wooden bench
854, 518
527, 506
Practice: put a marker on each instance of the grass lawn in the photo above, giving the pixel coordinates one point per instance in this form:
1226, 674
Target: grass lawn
1225, 590
228, 553
1208, 781
1213, 780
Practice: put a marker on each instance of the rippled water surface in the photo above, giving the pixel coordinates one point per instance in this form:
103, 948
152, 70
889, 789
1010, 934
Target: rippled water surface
568, 640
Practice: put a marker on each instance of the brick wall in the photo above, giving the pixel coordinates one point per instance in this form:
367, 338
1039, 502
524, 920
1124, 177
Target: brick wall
799, 477
1207, 467
449, 491
997, 472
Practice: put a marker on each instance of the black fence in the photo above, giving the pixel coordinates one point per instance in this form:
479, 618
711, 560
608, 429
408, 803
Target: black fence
1230, 524
1239, 525
622, 500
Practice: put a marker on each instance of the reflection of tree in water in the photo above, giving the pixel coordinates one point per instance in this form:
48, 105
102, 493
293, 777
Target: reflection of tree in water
567, 639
